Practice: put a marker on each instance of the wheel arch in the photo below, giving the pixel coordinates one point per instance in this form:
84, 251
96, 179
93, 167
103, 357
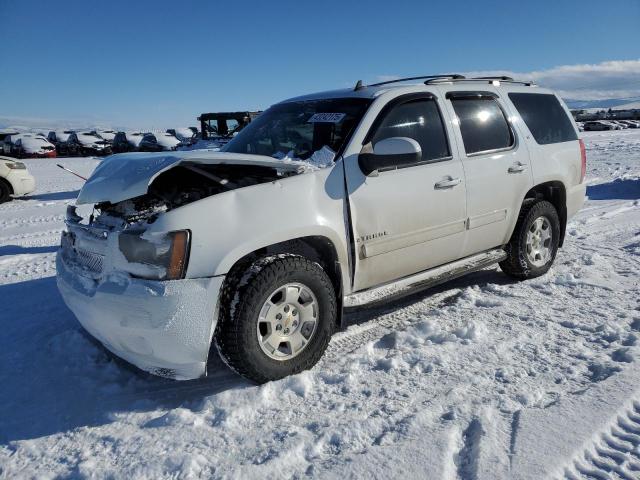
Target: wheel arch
9, 185
555, 193
316, 248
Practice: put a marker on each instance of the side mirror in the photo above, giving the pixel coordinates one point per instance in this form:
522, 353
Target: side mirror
390, 153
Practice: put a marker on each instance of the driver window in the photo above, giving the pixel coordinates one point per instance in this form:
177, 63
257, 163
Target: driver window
420, 120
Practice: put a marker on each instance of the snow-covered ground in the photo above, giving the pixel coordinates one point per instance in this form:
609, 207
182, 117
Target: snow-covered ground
482, 378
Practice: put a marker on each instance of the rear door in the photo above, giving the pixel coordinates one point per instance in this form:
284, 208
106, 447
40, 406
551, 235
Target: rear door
496, 165
407, 219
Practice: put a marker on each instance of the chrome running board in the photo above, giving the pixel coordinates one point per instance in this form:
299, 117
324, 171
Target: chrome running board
426, 279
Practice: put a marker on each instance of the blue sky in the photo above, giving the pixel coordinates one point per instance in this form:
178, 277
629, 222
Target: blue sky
160, 63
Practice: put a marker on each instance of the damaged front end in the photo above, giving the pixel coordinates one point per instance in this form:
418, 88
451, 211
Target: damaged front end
127, 282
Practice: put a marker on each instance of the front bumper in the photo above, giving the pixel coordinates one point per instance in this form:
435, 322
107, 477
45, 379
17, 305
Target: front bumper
22, 182
164, 328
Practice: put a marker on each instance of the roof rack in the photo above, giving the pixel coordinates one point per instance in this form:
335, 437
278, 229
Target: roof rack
452, 77
493, 77
502, 79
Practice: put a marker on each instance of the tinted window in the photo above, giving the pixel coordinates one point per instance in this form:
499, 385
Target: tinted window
420, 120
545, 117
482, 124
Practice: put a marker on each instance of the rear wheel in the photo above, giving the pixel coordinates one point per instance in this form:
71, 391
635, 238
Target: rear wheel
534, 243
277, 319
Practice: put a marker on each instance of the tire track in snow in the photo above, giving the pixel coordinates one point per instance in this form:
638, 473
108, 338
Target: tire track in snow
615, 454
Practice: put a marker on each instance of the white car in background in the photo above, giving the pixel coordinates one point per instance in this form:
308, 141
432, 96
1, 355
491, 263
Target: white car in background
15, 179
187, 135
28, 145
89, 143
167, 141
107, 135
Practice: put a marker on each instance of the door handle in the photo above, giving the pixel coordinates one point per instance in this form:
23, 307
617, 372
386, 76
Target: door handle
517, 168
447, 183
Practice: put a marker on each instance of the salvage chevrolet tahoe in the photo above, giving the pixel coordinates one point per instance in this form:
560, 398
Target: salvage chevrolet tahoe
322, 201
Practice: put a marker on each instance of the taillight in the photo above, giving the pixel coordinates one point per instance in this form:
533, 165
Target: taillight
583, 161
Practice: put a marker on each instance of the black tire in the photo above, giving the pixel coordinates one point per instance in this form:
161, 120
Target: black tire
517, 263
240, 304
5, 191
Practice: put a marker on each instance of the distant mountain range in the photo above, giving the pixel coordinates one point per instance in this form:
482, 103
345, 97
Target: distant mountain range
616, 103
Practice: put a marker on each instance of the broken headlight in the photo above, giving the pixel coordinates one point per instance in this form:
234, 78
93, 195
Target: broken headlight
157, 258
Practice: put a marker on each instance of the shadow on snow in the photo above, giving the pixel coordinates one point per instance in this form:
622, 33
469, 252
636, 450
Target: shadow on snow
55, 378
627, 189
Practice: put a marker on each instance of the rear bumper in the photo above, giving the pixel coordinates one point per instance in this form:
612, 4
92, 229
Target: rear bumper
164, 328
575, 199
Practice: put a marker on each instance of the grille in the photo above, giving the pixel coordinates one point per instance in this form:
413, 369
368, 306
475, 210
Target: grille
90, 261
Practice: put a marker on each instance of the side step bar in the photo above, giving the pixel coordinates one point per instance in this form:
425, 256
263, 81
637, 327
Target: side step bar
426, 279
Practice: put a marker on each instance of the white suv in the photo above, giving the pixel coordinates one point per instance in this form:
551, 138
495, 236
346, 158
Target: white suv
323, 201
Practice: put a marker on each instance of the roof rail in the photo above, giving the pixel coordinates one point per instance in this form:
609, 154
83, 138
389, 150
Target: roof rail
422, 77
483, 79
492, 77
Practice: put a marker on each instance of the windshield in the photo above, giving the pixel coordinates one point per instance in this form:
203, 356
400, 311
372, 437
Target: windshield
297, 130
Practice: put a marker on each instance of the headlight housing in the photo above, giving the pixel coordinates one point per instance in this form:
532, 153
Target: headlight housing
153, 257
16, 165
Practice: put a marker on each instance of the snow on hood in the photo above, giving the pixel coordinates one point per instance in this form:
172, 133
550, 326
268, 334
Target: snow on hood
34, 144
89, 139
125, 176
166, 140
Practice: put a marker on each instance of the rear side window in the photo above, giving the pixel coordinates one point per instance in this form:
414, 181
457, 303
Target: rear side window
420, 120
482, 123
545, 117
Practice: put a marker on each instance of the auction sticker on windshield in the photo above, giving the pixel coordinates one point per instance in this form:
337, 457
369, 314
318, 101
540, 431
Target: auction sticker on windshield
326, 118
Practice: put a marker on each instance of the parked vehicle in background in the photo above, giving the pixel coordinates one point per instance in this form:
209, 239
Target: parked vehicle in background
630, 123
5, 140
27, 145
60, 138
614, 125
121, 143
15, 179
188, 136
597, 125
165, 274
168, 141
88, 143
149, 143
135, 142
107, 135
580, 126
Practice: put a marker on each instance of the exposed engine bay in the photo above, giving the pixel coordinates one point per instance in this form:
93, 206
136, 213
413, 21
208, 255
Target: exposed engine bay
187, 183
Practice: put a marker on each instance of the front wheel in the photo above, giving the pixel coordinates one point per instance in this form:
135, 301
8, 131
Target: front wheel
277, 319
534, 243
5, 192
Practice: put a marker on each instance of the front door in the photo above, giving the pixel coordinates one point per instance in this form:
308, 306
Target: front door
407, 219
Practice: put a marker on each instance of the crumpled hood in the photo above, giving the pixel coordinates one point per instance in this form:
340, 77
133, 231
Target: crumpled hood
128, 175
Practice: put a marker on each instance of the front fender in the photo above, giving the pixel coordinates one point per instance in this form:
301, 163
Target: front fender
228, 226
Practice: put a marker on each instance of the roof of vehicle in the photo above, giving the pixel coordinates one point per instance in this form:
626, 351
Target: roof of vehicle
377, 89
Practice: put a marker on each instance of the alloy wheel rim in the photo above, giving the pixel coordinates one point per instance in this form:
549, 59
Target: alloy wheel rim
539, 236
287, 321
